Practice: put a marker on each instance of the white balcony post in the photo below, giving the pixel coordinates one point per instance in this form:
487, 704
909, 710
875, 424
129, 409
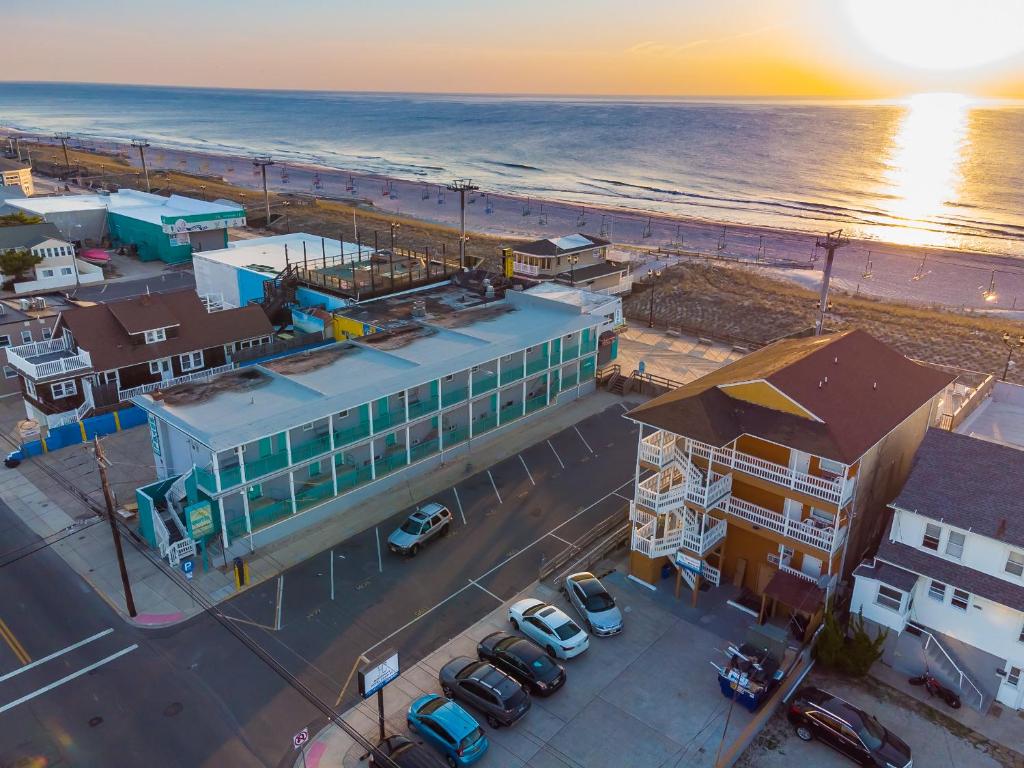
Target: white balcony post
291, 490
330, 431
248, 519
241, 463
288, 447
408, 447
334, 474
373, 460
216, 472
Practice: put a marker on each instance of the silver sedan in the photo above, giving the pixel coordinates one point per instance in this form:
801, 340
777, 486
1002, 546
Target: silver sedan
588, 595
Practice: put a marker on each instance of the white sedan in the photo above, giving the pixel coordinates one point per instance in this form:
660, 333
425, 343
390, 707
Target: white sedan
549, 627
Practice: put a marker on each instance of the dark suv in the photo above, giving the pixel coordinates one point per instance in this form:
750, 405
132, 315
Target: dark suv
486, 688
521, 659
817, 714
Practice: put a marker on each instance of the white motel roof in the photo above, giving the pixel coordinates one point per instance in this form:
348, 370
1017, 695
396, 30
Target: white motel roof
358, 372
128, 202
270, 251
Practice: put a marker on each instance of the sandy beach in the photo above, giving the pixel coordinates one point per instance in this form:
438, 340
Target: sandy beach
955, 279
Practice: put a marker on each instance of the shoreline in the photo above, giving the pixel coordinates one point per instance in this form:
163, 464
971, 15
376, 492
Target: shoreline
921, 275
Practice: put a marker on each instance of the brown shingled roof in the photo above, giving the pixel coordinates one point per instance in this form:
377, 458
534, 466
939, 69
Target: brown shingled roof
860, 389
99, 329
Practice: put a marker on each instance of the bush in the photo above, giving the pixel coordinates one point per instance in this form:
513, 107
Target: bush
853, 655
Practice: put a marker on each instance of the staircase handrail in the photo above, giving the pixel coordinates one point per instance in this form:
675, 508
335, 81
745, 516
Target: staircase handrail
963, 676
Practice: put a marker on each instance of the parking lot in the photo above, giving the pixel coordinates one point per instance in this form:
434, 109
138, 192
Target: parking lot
317, 618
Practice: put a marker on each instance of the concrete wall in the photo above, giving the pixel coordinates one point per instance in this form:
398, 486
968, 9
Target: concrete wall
216, 277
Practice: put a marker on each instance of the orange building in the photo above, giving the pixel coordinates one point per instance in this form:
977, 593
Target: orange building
779, 465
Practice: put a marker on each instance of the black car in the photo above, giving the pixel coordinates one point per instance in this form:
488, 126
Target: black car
523, 660
400, 751
817, 714
486, 688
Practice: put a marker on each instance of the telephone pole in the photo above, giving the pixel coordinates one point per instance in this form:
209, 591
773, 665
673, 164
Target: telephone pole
109, 498
833, 241
63, 139
262, 162
141, 145
462, 186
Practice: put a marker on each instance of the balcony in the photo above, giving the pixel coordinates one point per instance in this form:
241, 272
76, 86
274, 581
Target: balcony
315, 447
351, 434
265, 465
47, 359
658, 449
662, 494
485, 424
511, 373
536, 403
485, 383
649, 545
419, 408
817, 536
570, 353
385, 419
702, 534
540, 364
671, 488
511, 412
454, 396
453, 437
695, 533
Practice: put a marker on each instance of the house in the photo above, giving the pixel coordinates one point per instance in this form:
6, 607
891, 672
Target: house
161, 228
24, 321
771, 474
16, 173
59, 267
948, 578
102, 355
280, 445
577, 260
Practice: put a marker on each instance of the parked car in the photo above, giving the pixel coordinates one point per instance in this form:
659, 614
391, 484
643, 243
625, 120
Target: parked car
549, 627
524, 660
486, 688
588, 595
420, 527
818, 714
405, 753
448, 728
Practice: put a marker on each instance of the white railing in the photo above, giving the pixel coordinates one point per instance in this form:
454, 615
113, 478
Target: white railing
638, 515
54, 420
525, 269
646, 543
820, 538
128, 394
19, 358
163, 536
179, 550
214, 302
658, 448
711, 573
956, 667
712, 494
47, 347
651, 494
800, 574
703, 541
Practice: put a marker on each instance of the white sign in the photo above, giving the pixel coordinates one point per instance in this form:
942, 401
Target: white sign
300, 738
375, 677
180, 226
688, 562
180, 238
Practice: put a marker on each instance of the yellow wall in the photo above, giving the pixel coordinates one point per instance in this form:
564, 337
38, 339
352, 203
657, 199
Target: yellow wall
763, 449
764, 394
347, 328
749, 546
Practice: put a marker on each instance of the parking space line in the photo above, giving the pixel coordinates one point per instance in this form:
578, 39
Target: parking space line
554, 536
332, 574
14, 644
458, 503
408, 624
280, 601
246, 621
624, 498
495, 487
624, 407
67, 678
527, 469
556, 454
485, 589
380, 560
55, 654
583, 439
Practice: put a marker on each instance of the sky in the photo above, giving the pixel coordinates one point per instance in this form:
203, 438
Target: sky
729, 48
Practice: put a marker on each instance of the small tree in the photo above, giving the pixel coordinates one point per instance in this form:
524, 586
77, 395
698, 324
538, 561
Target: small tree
862, 651
831, 645
18, 219
14, 263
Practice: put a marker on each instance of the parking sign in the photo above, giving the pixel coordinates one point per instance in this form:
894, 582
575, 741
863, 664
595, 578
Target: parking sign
187, 566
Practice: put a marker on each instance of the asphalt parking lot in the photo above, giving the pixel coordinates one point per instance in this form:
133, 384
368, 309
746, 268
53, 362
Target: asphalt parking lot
356, 598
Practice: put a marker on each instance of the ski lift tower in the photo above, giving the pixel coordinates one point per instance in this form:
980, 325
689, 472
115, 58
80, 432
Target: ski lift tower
831, 242
141, 144
63, 138
261, 162
462, 186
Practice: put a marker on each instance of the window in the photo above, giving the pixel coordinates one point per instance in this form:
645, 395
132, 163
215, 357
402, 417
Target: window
63, 389
342, 414
192, 361
961, 599
832, 467
932, 534
450, 377
47, 334
26, 337
937, 591
1013, 676
955, 545
888, 597
1015, 564
308, 427
154, 366
10, 373
65, 270
152, 337
30, 387
46, 272
5, 341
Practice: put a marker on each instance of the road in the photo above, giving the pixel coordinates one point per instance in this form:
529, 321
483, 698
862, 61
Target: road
165, 282
195, 695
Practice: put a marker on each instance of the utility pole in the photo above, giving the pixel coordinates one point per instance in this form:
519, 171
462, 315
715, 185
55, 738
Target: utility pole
141, 144
261, 162
462, 186
833, 240
63, 139
109, 498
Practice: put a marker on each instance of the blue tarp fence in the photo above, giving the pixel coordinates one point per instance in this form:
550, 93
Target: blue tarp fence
84, 431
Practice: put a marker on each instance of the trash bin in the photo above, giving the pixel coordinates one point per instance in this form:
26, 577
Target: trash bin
667, 570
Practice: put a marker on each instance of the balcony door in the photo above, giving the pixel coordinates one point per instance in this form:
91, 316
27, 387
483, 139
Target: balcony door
163, 367
811, 566
799, 461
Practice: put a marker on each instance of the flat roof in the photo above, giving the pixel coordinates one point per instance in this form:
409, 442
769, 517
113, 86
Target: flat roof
268, 253
301, 388
1000, 417
133, 203
588, 301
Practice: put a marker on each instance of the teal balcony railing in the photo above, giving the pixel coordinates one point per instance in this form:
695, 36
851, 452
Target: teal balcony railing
308, 450
348, 435
205, 479
453, 437
486, 424
422, 407
391, 462
268, 512
568, 383
454, 396
230, 476
485, 383
350, 476
536, 365
512, 373
423, 450
265, 465
511, 412
535, 403
571, 353
313, 494
386, 419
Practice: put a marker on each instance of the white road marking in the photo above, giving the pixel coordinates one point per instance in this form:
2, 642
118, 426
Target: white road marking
556, 454
67, 678
485, 589
280, 600
624, 498
560, 539
332, 574
458, 503
624, 407
380, 560
584, 441
527, 469
495, 487
54, 655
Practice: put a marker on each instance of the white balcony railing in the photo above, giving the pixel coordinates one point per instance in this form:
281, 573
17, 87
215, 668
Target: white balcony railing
28, 358
659, 496
703, 541
658, 449
648, 544
800, 530
128, 394
525, 269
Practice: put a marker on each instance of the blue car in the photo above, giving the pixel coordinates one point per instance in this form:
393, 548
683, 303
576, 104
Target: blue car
449, 728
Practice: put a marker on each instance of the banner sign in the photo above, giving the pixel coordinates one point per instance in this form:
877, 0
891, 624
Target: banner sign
378, 674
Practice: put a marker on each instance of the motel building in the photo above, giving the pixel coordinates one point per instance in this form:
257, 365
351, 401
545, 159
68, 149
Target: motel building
768, 477
281, 445
947, 580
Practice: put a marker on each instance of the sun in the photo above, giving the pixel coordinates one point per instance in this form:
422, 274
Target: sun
940, 34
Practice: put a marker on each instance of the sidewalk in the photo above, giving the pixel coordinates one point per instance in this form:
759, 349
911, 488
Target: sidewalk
84, 540
677, 357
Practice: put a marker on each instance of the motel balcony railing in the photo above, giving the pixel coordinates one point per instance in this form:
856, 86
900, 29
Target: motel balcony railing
536, 403
485, 424
511, 412
454, 396
540, 364
453, 437
265, 465
419, 408
512, 373
671, 488
349, 435
485, 383
803, 531
315, 447
45, 359
570, 353
703, 534
649, 545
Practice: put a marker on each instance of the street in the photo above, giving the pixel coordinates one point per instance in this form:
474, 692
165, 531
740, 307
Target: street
165, 282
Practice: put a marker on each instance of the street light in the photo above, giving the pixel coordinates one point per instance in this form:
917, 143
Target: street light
1012, 345
655, 273
394, 225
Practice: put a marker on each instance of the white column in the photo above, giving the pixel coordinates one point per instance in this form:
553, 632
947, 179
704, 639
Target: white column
291, 488
524, 389
223, 524
248, 519
216, 470
334, 475
408, 447
405, 402
373, 462
330, 431
288, 445
241, 463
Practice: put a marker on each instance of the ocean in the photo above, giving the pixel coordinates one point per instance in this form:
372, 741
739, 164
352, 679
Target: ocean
936, 170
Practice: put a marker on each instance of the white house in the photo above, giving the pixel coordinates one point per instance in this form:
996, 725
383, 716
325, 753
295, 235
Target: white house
948, 578
59, 267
